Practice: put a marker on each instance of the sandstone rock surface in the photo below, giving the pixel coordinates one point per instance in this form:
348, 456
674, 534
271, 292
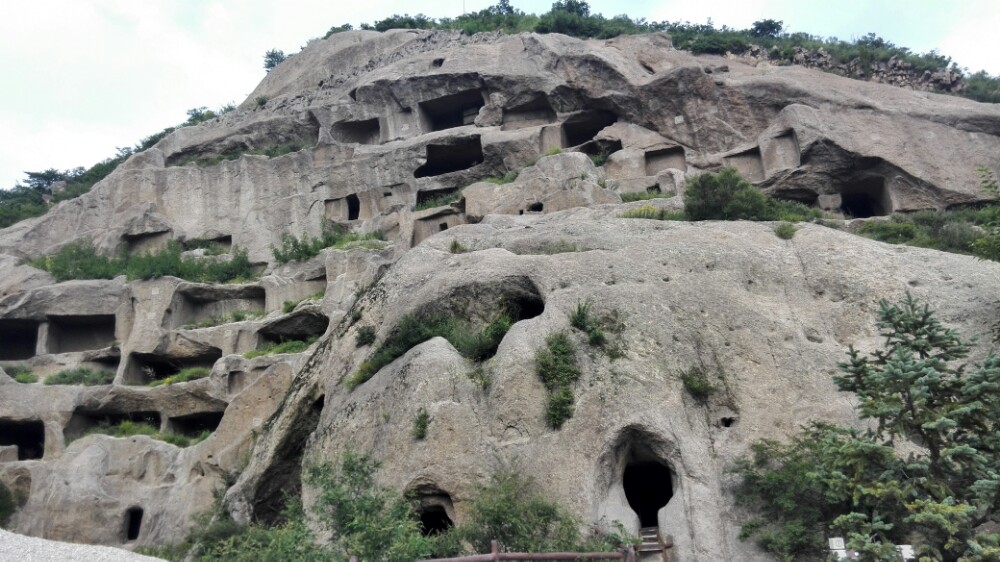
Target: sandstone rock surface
400, 132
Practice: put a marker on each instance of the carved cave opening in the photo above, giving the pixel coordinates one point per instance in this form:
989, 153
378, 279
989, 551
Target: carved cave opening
460, 154
144, 368
451, 111
193, 425
353, 207
367, 131
299, 325
584, 126
83, 420
434, 520
198, 305
648, 487
537, 111
27, 435
866, 197
665, 158
133, 523
223, 243
427, 196
80, 333
434, 508
18, 339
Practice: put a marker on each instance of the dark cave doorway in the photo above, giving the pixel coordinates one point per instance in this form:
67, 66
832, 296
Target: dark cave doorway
434, 520
648, 487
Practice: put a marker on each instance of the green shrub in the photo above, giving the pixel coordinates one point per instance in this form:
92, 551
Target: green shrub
582, 320
81, 376
964, 231
650, 212
365, 336
556, 367
553, 151
261, 101
420, 424
457, 247
22, 375
8, 505
185, 375
439, 201
81, 261
697, 384
644, 196
476, 345
362, 518
785, 230
334, 236
275, 348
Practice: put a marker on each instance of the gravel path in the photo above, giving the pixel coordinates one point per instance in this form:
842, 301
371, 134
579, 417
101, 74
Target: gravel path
19, 548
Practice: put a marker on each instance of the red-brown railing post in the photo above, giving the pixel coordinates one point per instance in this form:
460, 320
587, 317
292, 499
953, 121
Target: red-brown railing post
354, 559
495, 550
630, 557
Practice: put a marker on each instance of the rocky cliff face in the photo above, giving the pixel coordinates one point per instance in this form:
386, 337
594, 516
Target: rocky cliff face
394, 122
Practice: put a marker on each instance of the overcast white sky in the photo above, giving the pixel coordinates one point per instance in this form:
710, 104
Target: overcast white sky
85, 76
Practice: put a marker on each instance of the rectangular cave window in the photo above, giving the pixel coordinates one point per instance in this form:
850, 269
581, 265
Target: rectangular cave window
146, 243
223, 244
584, 126
450, 111
361, 132
748, 164
83, 421
133, 523
353, 207
18, 339
425, 198
664, 158
199, 306
192, 425
80, 333
144, 368
531, 114
866, 197
27, 435
460, 154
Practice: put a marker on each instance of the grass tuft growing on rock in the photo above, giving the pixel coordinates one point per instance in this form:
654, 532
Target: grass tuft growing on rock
416, 329
644, 196
81, 261
785, 231
22, 375
185, 375
697, 384
334, 236
81, 376
274, 348
652, 213
556, 366
130, 428
420, 424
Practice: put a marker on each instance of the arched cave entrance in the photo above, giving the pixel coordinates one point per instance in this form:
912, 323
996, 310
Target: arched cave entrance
434, 520
648, 487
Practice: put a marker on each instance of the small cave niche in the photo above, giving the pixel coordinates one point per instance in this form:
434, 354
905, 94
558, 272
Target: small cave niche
146, 243
18, 339
143, 368
282, 477
584, 126
199, 306
434, 508
536, 112
27, 435
536, 207
748, 163
299, 325
434, 520
460, 154
80, 333
665, 158
367, 131
727, 421
437, 63
353, 207
192, 425
442, 226
348, 208
866, 197
222, 244
454, 110
133, 523
427, 197
83, 420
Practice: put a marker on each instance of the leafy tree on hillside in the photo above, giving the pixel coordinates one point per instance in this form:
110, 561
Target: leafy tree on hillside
833, 480
273, 58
